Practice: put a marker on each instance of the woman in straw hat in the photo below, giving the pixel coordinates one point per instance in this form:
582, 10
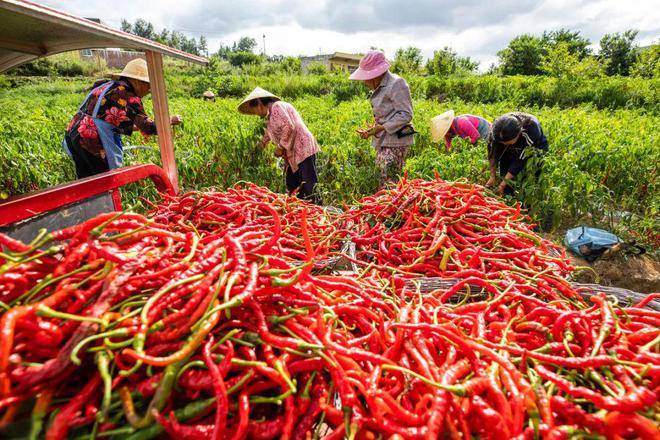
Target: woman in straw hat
294, 142
448, 126
111, 109
392, 131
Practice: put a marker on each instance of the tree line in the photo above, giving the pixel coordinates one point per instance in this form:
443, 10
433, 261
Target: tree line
557, 53
564, 52
175, 39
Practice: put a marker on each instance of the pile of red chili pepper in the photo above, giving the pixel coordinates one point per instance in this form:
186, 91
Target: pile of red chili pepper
215, 316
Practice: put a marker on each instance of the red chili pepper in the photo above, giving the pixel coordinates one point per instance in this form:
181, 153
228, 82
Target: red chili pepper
217, 373
629, 403
241, 430
625, 425
266, 430
60, 426
184, 432
572, 414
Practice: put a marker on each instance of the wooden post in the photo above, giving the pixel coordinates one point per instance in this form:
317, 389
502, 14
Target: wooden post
162, 116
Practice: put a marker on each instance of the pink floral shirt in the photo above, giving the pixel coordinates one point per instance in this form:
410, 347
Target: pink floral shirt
286, 129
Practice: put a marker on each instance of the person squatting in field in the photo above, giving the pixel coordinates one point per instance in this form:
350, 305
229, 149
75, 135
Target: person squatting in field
294, 142
515, 138
111, 109
470, 127
392, 132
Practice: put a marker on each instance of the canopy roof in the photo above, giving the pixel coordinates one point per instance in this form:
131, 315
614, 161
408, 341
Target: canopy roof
29, 31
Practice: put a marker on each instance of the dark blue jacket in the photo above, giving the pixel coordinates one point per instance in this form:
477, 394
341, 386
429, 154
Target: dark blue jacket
512, 158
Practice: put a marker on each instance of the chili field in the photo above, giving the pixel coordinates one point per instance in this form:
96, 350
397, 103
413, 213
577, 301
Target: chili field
601, 169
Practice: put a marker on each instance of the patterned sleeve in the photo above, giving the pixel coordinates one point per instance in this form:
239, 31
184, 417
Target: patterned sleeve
139, 117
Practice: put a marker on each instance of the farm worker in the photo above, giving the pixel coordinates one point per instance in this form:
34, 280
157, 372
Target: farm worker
112, 108
470, 127
392, 132
514, 139
293, 140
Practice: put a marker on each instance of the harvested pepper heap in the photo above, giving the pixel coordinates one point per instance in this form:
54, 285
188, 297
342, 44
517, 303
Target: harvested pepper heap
212, 317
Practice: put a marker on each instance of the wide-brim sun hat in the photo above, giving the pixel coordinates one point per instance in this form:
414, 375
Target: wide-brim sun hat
136, 69
372, 65
440, 125
258, 92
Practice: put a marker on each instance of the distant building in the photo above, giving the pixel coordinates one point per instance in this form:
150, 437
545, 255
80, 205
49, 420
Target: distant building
113, 58
346, 62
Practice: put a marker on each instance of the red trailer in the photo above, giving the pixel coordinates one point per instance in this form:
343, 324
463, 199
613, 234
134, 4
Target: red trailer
30, 31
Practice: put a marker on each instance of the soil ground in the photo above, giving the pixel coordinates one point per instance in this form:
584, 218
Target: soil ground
637, 273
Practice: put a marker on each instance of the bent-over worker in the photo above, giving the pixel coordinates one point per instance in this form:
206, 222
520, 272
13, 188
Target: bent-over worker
392, 131
294, 142
111, 109
470, 127
514, 139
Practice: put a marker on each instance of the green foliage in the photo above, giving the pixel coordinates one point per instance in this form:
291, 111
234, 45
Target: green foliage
523, 55
244, 58
648, 63
446, 62
176, 39
608, 92
143, 28
576, 44
560, 62
203, 45
244, 44
618, 52
316, 68
67, 65
408, 60
290, 65
603, 93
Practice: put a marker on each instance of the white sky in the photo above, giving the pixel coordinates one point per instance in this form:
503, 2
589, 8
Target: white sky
477, 28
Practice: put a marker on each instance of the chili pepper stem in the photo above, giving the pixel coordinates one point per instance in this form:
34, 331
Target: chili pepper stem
47, 312
454, 389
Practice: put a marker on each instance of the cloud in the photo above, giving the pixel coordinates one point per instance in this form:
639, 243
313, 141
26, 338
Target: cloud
476, 28
371, 15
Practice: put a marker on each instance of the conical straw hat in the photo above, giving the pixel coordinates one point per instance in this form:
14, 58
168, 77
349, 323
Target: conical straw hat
258, 92
136, 69
440, 125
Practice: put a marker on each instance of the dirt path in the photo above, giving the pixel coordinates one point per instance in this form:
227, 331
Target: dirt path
639, 274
